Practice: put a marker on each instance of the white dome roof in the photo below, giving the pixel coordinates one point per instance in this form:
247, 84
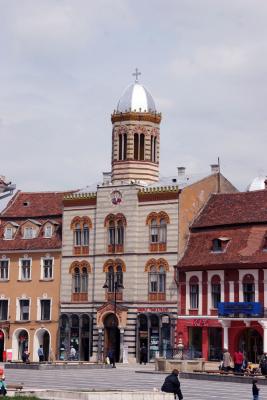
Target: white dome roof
258, 183
136, 98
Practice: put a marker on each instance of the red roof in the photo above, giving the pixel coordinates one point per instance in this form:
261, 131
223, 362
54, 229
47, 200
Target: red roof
246, 246
233, 208
35, 204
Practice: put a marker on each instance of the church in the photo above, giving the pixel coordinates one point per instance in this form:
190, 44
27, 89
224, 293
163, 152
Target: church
121, 240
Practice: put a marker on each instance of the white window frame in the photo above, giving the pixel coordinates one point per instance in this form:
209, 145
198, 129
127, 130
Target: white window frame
42, 268
4, 299
50, 227
20, 269
6, 236
8, 260
39, 308
29, 229
18, 313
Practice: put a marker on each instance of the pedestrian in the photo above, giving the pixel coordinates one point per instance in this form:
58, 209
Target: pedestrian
25, 356
255, 389
40, 352
227, 359
143, 354
111, 357
263, 364
72, 353
172, 385
238, 360
2, 386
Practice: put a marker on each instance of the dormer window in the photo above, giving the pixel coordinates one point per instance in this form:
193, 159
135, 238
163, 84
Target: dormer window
8, 233
29, 233
48, 231
219, 244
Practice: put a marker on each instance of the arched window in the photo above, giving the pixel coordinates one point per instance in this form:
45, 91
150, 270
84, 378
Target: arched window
158, 230
80, 227
119, 278
142, 146
157, 279
79, 271
215, 291
120, 147
136, 146
194, 292
116, 232
123, 146
155, 150
114, 279
110, 279
249, 288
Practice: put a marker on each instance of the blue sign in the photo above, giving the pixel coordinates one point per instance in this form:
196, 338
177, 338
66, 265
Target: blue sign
240, 309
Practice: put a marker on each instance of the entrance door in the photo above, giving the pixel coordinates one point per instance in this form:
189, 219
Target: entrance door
46, 345
22, 343
215, 344
112, 336
251, 344
195, 342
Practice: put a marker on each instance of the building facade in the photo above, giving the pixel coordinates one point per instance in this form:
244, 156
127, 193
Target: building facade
120, 242
30, 257
222, 289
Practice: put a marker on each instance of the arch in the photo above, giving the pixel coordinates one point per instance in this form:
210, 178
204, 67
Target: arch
114, 264
18, 345
193, 280
80, 264
82, 221
121, 217
109, 218
162, 215
248, 278
161, 262
142, 147
136, 146
150, 217
42, 337
215, 279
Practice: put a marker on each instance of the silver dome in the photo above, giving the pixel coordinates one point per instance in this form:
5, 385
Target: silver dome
258, 183
136, 98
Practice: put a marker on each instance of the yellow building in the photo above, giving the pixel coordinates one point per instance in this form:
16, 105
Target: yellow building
30, 256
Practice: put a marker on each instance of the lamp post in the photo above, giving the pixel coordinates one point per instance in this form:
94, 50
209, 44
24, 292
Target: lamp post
115, 286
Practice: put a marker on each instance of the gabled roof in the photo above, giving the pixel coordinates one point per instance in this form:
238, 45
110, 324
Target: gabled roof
233, 208
34, 204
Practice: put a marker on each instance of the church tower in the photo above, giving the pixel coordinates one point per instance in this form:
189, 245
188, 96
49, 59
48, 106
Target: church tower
135, 136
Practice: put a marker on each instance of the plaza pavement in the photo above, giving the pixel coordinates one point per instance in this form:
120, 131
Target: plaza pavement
125, 378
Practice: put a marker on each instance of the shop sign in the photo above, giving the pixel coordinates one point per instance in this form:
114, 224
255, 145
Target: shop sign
240, 309
200, 322
152, 309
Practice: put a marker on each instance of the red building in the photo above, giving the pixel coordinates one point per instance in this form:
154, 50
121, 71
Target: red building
222, 278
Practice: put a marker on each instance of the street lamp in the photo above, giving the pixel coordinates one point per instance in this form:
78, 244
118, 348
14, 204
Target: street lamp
115, 286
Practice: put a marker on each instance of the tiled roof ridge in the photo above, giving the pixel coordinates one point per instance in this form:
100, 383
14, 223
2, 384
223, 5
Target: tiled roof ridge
10, 203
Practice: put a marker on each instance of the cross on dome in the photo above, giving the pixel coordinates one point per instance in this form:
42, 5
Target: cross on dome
136, 73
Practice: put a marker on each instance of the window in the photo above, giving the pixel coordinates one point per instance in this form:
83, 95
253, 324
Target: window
3, 310
215, 291
48, 231
123, 146
194, 292
248, 288
153, 149
45, 309
114, 279
24, 308
217, 245
29, 233
85, 235
47, 268
25, 273
4, 264
115, 231
79, 271
77, 235
8, 233
81, 227
157, 279
158, 230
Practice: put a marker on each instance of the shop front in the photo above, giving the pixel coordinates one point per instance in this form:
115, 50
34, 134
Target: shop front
155, 332
75, 332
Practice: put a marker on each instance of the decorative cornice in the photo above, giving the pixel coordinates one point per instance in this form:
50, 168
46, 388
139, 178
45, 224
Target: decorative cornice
73, 199
159, 189
158, 193
136, 116
71, 196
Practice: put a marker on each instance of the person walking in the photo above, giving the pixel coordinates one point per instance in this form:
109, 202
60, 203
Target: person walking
263, 364
227, 359
111, 357
143, 354
255, 389
72, 353
172, 385
238, 360
40, 352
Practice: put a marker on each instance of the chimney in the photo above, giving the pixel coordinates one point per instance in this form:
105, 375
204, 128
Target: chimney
106, 178
215, 168
181, 172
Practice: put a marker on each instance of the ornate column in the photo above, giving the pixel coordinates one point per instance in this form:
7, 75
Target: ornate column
99, 345
225, 325
264, 325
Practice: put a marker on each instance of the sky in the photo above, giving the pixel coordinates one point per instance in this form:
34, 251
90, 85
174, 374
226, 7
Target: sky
65, 63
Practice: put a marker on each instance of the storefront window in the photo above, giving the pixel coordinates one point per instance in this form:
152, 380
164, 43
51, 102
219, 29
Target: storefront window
215, 344
195, 342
